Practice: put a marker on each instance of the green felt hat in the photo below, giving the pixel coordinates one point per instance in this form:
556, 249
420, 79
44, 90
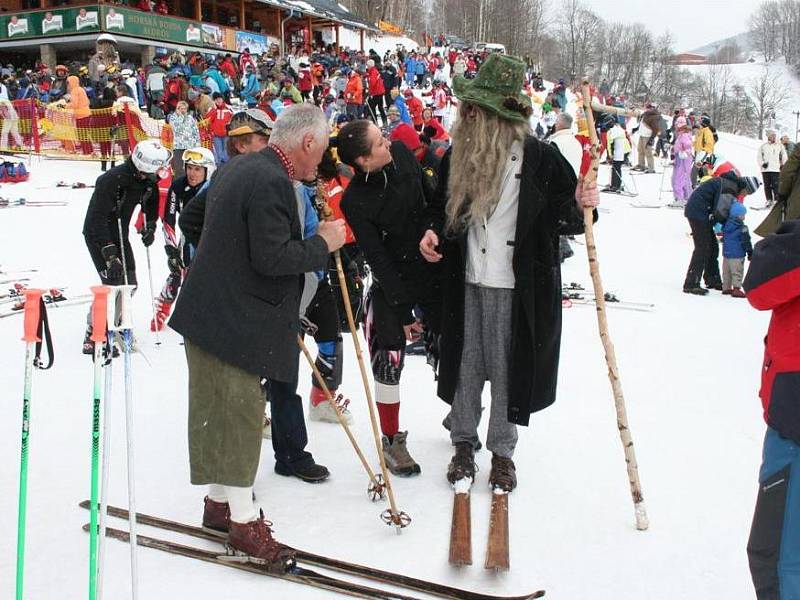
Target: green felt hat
497, 87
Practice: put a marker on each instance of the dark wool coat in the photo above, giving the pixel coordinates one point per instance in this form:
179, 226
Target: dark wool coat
788, 206
240, 301
547, 209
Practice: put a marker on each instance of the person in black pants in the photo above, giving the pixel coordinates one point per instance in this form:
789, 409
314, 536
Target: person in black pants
699, 211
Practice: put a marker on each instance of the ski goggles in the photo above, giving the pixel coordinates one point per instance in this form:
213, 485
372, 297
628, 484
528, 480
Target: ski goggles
251, 120
192, 155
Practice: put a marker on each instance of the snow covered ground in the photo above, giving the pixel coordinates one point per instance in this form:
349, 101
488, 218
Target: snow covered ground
690, 371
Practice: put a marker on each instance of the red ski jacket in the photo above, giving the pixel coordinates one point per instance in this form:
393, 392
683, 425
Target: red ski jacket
773, 283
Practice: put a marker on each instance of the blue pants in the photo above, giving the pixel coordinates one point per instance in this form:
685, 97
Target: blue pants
220, 152
773, 549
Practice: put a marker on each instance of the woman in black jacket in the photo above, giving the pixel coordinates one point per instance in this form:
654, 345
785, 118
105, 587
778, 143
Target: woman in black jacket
385, 207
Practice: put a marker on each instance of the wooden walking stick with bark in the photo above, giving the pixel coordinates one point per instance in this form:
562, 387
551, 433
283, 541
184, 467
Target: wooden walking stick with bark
376, 490
391, 516
589, 180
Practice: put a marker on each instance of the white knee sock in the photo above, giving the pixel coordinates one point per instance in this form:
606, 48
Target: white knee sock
240, 500
216, 492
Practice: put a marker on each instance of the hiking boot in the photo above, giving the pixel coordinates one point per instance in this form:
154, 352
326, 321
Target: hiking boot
255, 540
398, 460
738, 293
216, 515
310, 473
462, 465
715, 286
321, 410
503, 474
696, 290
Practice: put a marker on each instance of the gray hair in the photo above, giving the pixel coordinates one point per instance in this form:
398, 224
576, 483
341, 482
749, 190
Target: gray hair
564, 121
295, 122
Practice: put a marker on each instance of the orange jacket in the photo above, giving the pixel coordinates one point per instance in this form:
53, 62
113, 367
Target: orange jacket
354, 90
335, 189
78, 100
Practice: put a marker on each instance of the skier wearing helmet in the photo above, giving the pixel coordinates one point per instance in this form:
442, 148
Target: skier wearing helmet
198, 165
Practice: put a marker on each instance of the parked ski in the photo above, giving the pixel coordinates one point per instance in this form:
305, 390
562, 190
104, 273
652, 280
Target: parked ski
302, 556
609, 297
73, 301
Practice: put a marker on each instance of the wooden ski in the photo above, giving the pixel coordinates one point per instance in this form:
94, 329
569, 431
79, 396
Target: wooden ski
497, 546
461, 525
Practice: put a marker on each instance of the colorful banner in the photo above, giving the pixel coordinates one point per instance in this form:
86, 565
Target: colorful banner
151, 26
256, 43
389, 27
46, 23
213, 36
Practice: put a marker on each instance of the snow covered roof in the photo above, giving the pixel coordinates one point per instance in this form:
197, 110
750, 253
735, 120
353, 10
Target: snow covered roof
324, 9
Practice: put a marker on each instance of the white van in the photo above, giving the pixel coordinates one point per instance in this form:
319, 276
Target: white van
499, 48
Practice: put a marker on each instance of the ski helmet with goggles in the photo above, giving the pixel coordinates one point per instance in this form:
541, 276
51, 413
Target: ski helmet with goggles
201, 157
251, 120
150, 156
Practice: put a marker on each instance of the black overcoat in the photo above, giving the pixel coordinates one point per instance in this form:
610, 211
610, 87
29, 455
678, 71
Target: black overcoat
240, 301
547, 209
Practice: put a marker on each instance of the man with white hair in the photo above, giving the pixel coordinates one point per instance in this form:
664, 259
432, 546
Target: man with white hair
771, 158
503, 199
239, 315
565, 141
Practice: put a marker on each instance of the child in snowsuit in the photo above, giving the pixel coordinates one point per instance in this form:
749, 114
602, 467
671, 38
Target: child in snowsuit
682, 173
773, 550
735, 246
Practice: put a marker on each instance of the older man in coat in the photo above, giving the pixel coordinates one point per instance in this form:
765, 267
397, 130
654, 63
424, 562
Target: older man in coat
497, 231
238, 313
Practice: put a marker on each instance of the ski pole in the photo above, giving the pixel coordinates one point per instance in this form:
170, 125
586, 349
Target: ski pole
99, 316
106, 461
390, 516
590, 180
376, 487
152, 296
31, 326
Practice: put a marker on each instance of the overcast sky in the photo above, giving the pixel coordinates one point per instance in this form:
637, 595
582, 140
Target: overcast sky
691, 23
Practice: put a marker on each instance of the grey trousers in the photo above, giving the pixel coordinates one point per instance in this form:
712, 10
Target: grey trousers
486, 355
732, 273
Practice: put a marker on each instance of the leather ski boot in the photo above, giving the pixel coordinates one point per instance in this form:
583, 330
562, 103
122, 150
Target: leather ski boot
254, 539
216, 515
503, 474
462, 465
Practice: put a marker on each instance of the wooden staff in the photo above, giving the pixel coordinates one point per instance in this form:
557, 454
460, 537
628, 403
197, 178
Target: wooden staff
376, 487
590, 181
391, 516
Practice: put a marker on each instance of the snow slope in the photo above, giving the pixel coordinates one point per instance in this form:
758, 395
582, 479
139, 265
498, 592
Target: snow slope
690, 371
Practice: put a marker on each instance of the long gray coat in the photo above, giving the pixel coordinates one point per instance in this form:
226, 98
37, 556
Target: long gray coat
241, 298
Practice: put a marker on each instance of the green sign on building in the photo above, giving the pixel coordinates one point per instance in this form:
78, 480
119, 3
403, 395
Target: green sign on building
151, 26
47, 23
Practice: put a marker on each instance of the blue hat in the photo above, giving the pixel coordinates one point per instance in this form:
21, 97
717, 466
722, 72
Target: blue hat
738, 210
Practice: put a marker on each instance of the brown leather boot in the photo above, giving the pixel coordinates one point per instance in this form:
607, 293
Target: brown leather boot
503, 474
255, 540
216, 515
738, 293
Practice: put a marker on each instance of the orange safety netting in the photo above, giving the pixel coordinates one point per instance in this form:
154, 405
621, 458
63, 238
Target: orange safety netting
56, 130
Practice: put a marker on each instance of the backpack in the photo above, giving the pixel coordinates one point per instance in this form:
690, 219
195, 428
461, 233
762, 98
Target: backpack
722, 210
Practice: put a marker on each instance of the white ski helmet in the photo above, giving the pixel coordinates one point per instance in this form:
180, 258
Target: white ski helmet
150, 156
202, 157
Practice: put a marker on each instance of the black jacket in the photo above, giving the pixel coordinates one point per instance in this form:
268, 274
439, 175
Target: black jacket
118, 184
387, 215
192, 216
240, 301
547, 209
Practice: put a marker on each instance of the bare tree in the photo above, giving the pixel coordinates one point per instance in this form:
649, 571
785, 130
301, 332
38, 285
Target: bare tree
764, 25
768, 94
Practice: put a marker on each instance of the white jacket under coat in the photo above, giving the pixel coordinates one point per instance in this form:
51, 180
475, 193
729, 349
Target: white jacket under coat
774, 155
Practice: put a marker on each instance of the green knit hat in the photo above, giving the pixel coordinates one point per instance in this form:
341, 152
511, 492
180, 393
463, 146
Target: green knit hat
497, 88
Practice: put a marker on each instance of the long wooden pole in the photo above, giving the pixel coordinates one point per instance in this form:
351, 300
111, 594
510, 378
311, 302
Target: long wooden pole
589, 181
376, 488
394, 517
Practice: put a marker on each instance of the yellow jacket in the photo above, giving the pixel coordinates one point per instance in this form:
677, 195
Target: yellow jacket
704, 141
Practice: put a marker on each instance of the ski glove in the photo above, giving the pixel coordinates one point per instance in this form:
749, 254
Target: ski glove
148, 233
114, 273
174, 261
